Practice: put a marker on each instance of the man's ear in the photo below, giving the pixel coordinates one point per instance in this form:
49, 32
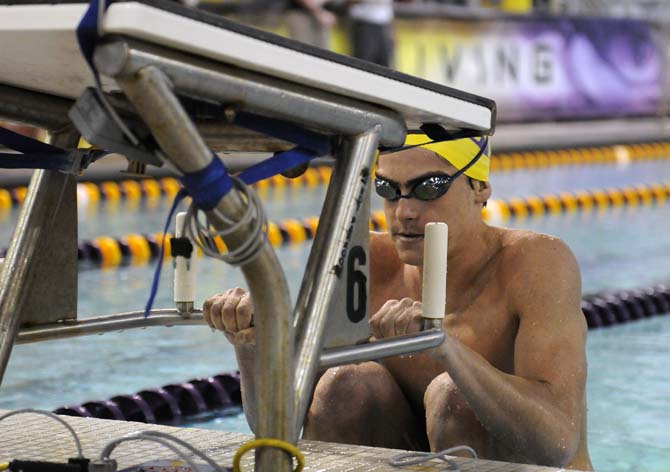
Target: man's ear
482, 190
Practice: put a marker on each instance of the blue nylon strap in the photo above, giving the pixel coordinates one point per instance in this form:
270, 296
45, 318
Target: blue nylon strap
21, 143
72, 162
208, 186
39, 155
276, 165
310, 145
87, 32
316, 142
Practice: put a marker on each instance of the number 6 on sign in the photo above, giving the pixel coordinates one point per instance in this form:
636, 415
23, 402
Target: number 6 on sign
357, 285
348, 314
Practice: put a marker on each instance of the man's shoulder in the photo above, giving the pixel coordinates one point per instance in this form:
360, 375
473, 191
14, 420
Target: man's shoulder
533, 260
539, 267
522, 247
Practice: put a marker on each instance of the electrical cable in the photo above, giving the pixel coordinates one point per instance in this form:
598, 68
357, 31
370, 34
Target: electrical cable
104, 455
52, 416
415, 458
185, 445
163, 439
204, 236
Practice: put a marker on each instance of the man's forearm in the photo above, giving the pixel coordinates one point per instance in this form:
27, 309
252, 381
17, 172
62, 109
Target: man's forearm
521, 413
245, 354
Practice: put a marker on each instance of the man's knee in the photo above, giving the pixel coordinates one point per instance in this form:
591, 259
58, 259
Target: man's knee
443, 398
356, 386
448, 414
347, 401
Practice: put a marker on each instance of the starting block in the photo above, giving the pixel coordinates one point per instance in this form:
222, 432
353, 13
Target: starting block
175, 86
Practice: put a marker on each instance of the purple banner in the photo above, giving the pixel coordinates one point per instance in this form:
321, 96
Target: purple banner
542, 69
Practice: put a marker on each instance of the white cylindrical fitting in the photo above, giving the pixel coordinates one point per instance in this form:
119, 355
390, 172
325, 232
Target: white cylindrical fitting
435, 240
184, 268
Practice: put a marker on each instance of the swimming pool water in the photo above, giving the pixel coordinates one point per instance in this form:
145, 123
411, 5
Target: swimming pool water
628, 392
629, 381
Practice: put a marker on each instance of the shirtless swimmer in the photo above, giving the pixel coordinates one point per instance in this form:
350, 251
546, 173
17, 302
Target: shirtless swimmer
509, 380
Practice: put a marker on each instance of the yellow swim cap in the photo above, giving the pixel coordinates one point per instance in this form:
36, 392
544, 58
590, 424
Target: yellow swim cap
459, 153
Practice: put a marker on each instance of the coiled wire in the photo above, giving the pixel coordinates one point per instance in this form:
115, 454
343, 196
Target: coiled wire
204, 235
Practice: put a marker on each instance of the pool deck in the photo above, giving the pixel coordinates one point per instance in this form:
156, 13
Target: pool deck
36, 437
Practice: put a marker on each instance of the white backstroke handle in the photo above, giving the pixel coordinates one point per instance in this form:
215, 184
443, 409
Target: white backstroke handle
184, 272
435, 245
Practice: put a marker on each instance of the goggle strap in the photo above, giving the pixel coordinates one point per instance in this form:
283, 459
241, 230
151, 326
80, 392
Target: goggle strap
437, 134
451, 178
474, 159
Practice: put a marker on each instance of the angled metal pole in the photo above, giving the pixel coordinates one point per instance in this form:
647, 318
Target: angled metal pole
22, 267
348, 187
149, 90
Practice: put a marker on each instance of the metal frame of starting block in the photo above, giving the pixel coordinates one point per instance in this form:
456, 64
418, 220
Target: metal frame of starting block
152, 55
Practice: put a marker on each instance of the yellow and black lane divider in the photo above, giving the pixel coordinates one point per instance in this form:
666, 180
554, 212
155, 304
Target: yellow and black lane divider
580, 201
94, 192
616, 154
133, 190
137, 249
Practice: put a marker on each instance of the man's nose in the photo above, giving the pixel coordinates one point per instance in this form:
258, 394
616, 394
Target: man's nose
407, 209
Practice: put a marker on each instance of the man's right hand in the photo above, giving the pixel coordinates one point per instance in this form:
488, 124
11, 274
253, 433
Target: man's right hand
231, 312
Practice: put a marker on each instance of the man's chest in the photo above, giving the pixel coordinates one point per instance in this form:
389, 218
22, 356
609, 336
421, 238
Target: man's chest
488, 329
480, 320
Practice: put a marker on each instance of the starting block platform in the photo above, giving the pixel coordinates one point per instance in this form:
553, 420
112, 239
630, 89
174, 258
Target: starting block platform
33, 437
40, 53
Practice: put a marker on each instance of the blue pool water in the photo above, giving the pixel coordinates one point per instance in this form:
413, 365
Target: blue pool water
629, 382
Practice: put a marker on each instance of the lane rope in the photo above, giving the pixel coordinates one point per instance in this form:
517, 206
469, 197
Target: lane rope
152, 189
131, 190
134, 249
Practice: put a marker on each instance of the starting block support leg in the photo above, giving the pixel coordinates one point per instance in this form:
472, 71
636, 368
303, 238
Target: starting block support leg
38, 280
327, 265
149, 90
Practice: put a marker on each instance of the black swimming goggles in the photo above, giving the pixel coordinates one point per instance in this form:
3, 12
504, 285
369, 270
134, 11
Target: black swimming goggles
427, 189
